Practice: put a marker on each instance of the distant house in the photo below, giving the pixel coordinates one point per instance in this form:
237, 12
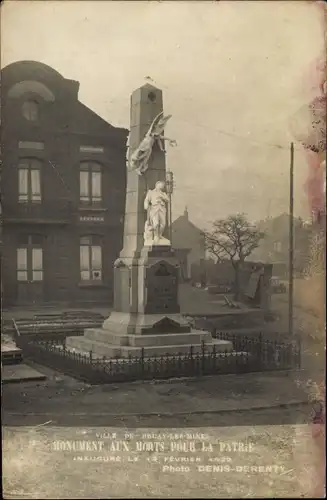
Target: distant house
274, 248
189, 243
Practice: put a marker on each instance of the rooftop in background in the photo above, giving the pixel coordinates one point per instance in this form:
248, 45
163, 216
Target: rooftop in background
184, 219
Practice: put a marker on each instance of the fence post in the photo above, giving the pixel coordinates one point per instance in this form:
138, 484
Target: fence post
259, 353
260, 343
142, 360
91, 356
299, 353
203, 352
276, 355
129, 362
191, 360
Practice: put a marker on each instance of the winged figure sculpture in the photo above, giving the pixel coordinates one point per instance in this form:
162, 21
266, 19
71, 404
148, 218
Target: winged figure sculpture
140, 157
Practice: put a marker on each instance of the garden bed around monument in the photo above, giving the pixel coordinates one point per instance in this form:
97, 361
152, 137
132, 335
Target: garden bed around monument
248, 355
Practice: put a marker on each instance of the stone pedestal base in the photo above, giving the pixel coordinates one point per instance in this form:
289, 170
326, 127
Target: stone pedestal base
145, 324
156, 334
147, 315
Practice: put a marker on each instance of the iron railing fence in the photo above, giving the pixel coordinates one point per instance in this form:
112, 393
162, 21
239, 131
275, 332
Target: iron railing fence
248, 355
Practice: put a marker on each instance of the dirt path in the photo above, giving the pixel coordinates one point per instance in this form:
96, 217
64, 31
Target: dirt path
60, 397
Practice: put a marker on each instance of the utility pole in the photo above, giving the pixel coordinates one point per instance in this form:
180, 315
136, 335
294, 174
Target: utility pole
291, 244
268, 208
170, 189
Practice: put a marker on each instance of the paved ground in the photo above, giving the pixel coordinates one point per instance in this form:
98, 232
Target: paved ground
270, 412
197, 301
207, 438
306, 326
191, 299
66, 401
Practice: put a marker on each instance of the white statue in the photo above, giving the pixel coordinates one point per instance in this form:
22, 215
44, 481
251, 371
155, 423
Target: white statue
139, 159
148, 233
155, 204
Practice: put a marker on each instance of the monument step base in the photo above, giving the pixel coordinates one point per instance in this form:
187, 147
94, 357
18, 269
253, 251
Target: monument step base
120, 323
105, 350
85, 345
107, 337
218, 346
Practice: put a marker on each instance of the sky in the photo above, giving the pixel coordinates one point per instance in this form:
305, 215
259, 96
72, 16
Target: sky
232, 75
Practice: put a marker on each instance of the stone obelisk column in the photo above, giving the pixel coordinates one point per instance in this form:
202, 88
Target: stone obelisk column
129, 296
146, 104
146, 311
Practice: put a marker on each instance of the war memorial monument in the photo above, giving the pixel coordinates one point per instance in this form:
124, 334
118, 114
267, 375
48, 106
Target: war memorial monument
146, 312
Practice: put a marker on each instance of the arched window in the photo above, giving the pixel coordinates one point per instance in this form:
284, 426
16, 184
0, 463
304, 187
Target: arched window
91, 258
27, 86
90, 183
29, 180
30, 110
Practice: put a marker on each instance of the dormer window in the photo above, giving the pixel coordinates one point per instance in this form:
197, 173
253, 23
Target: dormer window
30, 110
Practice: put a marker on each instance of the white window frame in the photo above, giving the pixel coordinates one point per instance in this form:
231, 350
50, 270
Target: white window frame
29, 260
278, 246
90, 183
30, 110
29, 180
22, 266
90, 260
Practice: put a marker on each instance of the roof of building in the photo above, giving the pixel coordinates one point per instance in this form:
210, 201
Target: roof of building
185, 220
280, 221
24, 69
85, 121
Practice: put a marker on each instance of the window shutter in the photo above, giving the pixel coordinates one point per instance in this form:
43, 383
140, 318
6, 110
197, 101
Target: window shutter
84, 185
35, 185
22, 259
96, 186
85, 262
22, 264
96, 258
23, 184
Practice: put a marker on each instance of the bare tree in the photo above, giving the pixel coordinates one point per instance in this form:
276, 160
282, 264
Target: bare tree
233, 238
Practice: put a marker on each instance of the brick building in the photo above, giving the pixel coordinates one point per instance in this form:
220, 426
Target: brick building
274, 248
63, 191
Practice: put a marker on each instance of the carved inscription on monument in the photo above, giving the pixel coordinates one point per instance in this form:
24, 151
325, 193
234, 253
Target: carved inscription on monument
162, 287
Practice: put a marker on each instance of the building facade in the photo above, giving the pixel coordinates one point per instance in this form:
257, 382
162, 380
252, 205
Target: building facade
274, 248
63, 191
189, 242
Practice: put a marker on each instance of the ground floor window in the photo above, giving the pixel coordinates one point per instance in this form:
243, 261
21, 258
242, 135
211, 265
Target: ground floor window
91, 258
30, 259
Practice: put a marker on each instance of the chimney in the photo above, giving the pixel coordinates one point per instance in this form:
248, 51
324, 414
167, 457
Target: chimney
186, 213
